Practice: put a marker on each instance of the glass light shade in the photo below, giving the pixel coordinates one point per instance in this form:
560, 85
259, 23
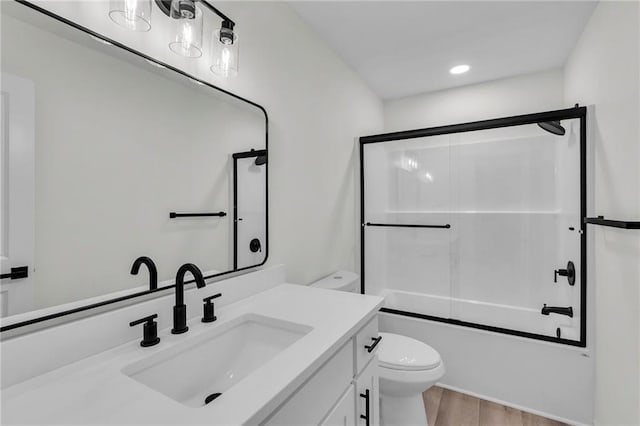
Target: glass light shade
134, 15
187, 41
224, 57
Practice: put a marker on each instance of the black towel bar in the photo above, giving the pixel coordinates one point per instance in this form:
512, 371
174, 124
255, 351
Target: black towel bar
600, 220
174, 215
16, 273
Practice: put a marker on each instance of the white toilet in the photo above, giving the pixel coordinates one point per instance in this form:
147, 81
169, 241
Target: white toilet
407, 367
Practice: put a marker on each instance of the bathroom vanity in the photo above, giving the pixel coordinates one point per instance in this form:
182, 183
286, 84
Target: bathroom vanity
290, 354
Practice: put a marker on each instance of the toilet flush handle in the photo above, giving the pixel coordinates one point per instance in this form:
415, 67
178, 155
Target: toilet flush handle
372, 346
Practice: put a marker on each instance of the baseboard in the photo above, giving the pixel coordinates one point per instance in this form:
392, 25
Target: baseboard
509, 404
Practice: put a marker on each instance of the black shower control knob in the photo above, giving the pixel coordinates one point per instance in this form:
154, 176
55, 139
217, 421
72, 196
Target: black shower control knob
569, 272
255, 245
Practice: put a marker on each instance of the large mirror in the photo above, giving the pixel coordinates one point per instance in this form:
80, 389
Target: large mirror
108, 156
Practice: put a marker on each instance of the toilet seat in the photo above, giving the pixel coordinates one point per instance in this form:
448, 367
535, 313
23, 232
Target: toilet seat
403, 353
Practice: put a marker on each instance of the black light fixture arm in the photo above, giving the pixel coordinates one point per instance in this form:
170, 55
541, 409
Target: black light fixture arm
217, 12
165, 7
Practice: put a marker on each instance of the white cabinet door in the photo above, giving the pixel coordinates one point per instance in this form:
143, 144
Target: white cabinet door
314, 399
344, 413
368, 395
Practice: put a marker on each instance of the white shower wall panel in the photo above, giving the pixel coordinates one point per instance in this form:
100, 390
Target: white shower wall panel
504, 174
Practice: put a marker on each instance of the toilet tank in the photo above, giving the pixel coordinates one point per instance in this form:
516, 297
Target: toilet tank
339, 280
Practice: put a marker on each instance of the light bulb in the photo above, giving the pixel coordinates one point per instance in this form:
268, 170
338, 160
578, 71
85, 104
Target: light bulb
224, 55
225, 60
134, 15
187, 39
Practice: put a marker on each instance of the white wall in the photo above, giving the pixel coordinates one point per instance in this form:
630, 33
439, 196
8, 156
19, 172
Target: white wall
316, 106
510, 96
604, 70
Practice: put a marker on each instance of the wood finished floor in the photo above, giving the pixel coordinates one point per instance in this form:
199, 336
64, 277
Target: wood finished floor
449, 408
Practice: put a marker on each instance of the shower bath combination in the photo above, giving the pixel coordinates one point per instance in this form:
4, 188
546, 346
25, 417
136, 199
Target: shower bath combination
512, 193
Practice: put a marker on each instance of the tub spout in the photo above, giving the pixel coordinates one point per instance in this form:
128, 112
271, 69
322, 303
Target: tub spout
546, 310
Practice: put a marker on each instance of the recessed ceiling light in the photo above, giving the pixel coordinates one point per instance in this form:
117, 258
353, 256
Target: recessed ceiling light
460, 69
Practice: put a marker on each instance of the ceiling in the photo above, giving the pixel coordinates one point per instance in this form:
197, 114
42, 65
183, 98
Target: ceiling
404, 48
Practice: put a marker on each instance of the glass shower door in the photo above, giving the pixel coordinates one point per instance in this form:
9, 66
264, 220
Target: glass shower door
516, 208
407, 224
480, 224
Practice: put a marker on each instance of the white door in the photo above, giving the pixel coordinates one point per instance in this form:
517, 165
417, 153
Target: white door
16, 193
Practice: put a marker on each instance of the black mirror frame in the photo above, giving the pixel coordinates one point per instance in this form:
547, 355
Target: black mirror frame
104, 303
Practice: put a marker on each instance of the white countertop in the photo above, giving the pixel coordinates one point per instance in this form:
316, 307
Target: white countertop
95, 391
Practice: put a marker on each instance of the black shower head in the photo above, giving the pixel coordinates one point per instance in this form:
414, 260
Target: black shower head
552, 127
260, 160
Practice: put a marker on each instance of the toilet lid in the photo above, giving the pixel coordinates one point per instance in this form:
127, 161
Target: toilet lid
404, 353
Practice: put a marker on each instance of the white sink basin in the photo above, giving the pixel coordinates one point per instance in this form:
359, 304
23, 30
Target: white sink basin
214, 362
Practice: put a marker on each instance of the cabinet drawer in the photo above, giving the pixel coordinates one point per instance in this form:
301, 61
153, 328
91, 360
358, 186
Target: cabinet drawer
313, 400
364, 340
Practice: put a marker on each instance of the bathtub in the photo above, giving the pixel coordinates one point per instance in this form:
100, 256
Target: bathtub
514, 320
542, 377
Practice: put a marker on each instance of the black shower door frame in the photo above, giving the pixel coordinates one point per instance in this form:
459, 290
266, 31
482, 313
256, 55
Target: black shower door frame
576, 112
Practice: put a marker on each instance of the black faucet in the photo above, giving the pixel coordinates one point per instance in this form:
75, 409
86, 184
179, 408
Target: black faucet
180, 309
546, 310
153, 271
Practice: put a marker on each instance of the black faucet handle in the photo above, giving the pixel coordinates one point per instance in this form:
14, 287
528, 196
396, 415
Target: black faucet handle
150, 318
210, 298
149, 330
209, 313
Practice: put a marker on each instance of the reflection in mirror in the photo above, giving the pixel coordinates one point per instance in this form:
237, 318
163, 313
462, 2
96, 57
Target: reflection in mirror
99, 146
249, 176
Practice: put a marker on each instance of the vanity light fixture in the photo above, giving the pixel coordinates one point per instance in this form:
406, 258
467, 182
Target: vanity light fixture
188, 21
134, 15
460, 69
187, 42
